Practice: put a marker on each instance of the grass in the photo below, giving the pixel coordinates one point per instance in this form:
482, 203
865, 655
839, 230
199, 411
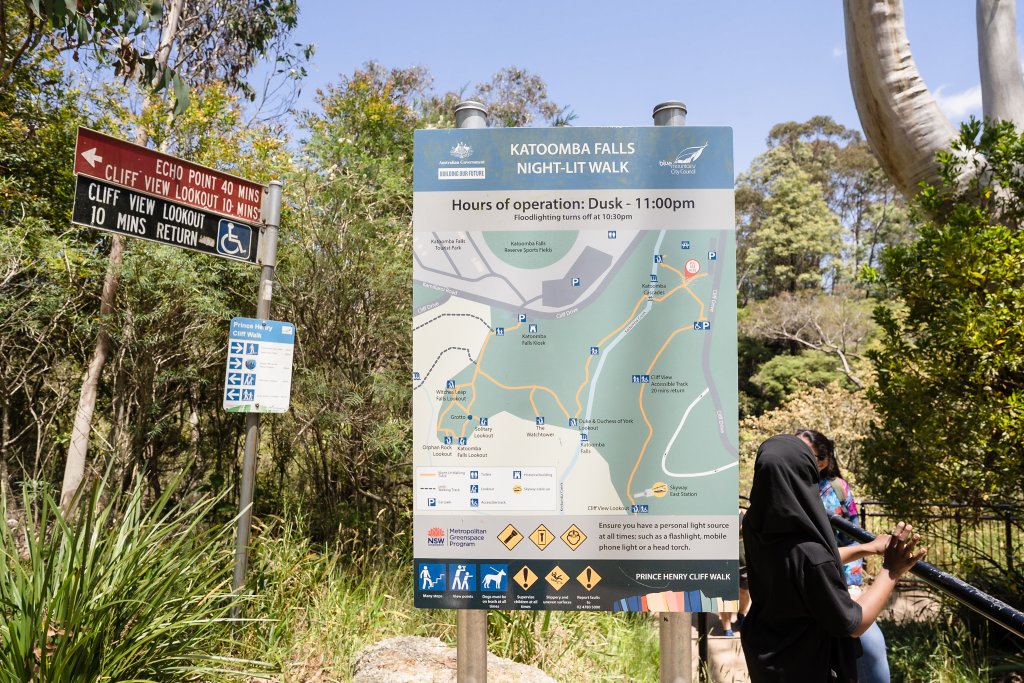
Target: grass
140, 593
933, 652
314, 613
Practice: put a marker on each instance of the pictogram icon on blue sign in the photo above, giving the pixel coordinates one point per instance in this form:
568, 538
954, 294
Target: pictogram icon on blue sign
234, 239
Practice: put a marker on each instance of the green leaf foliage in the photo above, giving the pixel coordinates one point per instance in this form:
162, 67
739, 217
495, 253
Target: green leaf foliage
345, 279
49, 270
161, 398
787, 231
816, 203
951, 369
783, 375
126, 592
215, 40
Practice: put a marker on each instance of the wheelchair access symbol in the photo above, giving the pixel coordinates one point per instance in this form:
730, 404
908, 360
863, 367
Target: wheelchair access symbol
234, 240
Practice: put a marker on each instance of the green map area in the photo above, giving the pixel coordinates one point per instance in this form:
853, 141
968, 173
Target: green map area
642, 372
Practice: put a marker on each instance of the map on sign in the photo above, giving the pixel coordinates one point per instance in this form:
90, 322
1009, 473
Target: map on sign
560, 361
574, 363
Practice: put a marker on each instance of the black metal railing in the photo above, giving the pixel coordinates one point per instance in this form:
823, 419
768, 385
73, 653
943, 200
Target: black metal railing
991, 608
959, 535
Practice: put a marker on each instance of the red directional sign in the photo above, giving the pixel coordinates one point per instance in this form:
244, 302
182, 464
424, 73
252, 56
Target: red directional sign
162, 175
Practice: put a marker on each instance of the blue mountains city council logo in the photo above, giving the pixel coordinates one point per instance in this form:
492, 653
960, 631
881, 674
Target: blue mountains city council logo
685, 161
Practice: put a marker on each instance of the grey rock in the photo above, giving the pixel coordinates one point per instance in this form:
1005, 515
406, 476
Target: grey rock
411, 659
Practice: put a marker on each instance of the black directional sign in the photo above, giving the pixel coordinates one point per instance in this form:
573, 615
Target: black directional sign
117, 209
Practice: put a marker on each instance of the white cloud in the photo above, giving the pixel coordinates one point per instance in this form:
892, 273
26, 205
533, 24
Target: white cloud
959, 105
839, 51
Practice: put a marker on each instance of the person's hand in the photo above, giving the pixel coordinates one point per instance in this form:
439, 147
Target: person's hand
899, 555
878, 545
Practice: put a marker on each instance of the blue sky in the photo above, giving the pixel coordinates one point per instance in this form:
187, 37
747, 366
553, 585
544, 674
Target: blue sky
743, 64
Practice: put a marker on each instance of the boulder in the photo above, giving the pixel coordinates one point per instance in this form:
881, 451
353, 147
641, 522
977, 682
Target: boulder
411, 659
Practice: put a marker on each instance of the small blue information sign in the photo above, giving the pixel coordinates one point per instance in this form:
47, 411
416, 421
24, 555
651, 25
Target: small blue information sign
259, 367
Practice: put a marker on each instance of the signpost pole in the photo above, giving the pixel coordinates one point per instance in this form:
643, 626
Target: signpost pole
471, 624
268, 260
674, 628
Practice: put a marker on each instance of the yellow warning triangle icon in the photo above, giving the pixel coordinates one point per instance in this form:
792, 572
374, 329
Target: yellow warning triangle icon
510, 537
525, 577
589, 578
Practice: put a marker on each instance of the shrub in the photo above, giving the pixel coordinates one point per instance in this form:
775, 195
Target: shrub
117, 591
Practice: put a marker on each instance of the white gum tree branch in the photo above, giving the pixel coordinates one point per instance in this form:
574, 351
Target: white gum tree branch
1002, 81
900, 117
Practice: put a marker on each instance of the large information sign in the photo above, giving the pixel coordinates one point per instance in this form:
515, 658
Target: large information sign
574, 369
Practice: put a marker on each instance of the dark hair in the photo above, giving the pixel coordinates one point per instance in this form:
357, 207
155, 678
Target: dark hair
826, 450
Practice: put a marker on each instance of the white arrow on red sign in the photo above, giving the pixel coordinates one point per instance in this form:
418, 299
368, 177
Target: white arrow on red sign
92, 157
161, 175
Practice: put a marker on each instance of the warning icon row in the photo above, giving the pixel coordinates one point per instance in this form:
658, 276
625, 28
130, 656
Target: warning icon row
556, 578
542, 537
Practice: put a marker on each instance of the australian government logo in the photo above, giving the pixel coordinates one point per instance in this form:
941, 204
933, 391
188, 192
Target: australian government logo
461, 165
685, 162
461, 151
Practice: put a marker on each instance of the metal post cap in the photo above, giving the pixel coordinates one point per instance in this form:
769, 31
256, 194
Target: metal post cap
465, 105
470, 114
671, 104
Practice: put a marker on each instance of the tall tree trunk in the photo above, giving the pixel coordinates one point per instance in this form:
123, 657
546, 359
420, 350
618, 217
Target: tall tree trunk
1002, 82
5, 474
901, 120
74, 467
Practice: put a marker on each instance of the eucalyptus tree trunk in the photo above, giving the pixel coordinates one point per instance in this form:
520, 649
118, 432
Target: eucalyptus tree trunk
901, 119
78, 449
1002, 82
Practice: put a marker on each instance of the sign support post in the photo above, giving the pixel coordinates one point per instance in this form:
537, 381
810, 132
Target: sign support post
471, 624
272, 221
675, 649
132, 190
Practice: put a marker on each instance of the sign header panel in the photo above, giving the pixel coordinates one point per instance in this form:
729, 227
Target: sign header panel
162, 175
575, 424
108, 207
258, 378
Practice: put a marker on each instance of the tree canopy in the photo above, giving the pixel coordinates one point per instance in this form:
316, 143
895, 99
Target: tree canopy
950, 392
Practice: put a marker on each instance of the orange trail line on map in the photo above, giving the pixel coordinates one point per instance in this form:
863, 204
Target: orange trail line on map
629, 319
674, 270
586, 380
696, 298
650, 427
471, 384
579, 407
643, 413
528, 386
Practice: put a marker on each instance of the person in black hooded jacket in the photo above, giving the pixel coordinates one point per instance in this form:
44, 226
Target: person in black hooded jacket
802, 626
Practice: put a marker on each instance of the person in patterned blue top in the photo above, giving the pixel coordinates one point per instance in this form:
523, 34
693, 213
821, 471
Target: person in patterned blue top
837, 497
